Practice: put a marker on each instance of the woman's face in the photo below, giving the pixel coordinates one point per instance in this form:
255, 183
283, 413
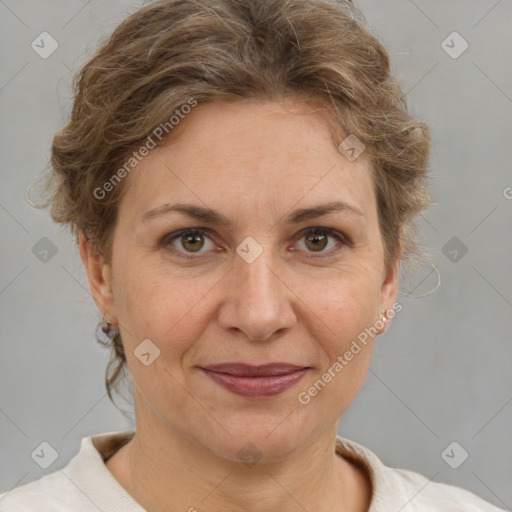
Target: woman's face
254, 285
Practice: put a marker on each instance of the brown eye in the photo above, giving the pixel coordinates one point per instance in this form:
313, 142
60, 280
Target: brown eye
192, 242
316, 240
187, 242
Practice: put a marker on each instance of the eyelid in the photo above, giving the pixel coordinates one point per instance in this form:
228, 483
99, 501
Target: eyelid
166, 240
334, 233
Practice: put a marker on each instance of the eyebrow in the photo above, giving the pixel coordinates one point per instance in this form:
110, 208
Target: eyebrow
207, 215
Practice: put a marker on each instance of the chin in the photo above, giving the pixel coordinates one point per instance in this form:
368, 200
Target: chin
260, 438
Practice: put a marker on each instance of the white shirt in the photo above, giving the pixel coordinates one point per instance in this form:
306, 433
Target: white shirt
86, 485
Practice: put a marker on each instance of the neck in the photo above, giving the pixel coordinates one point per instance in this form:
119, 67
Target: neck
161, 476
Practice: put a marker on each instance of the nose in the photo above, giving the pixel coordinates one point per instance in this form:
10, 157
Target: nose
257, 300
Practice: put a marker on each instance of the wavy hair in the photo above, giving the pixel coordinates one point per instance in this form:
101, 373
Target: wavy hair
169, 51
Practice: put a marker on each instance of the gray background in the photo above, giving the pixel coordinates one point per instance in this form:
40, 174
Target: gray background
440, 374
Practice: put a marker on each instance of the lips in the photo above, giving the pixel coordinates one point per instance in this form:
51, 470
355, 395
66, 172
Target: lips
255, 381
247, 370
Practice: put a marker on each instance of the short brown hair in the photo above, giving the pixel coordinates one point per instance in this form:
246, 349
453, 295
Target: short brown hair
172, 50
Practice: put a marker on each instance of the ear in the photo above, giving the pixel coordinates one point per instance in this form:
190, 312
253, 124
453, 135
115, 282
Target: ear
389, 290
100, 278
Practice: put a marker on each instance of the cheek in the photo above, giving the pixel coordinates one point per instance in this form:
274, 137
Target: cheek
345, 303
172, 315
344, 318
171, 311
342, 315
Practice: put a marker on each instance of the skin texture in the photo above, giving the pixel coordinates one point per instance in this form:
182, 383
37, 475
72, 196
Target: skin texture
254, 162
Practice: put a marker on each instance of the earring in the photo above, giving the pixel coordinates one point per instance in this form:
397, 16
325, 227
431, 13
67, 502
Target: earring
110, 330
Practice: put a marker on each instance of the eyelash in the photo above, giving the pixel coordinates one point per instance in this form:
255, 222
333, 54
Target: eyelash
168, 239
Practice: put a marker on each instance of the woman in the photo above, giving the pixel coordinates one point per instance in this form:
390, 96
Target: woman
242, 178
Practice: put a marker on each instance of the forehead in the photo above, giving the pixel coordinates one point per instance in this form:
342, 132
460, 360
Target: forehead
276, 154
248, 128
